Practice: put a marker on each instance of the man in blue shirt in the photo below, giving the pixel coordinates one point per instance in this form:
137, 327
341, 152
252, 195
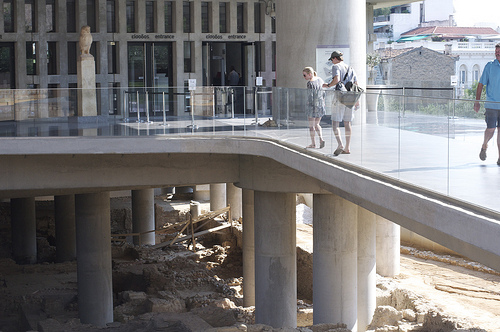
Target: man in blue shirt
490, 78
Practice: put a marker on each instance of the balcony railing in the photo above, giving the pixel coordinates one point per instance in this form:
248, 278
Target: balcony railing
422, 137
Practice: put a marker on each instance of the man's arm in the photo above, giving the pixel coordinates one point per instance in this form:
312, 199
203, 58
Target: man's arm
334, 82
479, 90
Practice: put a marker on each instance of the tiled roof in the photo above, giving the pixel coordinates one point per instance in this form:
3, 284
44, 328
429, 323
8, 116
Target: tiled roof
387, 53
451, 31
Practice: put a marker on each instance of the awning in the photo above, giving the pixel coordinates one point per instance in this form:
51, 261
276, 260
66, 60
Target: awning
411, 38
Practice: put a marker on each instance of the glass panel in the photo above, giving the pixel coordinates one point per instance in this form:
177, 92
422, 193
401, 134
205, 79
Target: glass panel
136, 65
8, 16
72, 57
112, 58
52, 58
150, 16
71, 15
240, 17
258, 22
130, 16
29, 16
111, 15
223, 17
206, 23
91, 15
7, 65
50, 15
31, 51
169, 19
187, 56
186, 17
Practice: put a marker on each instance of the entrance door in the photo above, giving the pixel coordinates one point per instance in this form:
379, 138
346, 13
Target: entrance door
150, 70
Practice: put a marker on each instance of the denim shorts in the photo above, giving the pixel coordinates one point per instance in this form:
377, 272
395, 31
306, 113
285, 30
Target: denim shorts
492, 118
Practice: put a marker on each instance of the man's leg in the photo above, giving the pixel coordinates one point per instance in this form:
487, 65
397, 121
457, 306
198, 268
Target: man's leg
488, 134
348, 131
336, 132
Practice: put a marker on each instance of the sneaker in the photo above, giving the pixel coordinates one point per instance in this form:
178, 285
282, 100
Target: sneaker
482, 154
498, 162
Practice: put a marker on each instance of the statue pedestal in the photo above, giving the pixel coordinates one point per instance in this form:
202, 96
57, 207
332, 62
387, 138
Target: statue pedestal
87, 101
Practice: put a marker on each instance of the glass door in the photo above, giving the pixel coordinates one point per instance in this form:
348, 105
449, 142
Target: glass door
150, 70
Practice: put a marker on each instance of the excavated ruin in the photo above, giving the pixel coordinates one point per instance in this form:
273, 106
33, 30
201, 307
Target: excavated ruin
174, 288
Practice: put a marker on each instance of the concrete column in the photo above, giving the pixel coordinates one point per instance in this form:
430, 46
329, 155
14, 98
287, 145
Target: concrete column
275, 259
64, 207
143, 215
335, 261
234, 198
23, 227
340, 23
367, 274
217, 196
202, 192
248, 248
93, 247
388, 247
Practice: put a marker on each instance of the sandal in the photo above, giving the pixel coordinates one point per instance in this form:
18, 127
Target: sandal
346, 152
338, 151
482, 154
312, 146
321, 144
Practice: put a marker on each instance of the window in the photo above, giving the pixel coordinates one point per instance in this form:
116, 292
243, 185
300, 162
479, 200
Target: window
223, 6
71, 16
130, 16
112, 58
240, 17
258, 18
52, 58
111, 15
273, 55
169, 16
206, 17
29, 16
188, 46
8, 16
31, 51
475, 74
94, 50
463, 76
150, 16
91, 15
260, 56
72, 57
186, 16
50, 15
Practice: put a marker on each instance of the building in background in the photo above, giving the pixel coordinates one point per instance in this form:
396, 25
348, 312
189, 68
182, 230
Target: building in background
155, 44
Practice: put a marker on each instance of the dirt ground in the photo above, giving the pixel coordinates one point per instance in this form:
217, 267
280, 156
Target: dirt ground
174, 289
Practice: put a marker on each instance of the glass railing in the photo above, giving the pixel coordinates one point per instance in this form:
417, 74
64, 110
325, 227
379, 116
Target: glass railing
422, 137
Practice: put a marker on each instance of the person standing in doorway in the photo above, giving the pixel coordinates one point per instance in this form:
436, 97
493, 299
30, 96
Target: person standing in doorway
342, 113
234, 77
315, 105
490, 78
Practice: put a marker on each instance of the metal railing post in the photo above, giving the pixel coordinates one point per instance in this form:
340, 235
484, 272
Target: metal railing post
137, 105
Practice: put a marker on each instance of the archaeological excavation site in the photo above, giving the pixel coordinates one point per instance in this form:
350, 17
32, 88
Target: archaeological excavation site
192, 279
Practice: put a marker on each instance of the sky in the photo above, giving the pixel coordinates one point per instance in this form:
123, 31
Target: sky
468, 13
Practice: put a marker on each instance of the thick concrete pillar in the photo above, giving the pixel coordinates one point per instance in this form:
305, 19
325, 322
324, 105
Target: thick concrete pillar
388, 247
340, 24
143, 216
217, 196
248, 248
93, 248
23, 227
234, 199
367, 274
335, 261
64, 207
202, 192
275, 259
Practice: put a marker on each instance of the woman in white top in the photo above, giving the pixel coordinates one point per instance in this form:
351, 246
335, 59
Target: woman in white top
315, 105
